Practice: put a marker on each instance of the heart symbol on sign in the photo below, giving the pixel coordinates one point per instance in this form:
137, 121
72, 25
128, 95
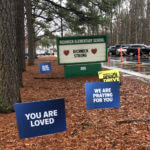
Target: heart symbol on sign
94, 50
66, 52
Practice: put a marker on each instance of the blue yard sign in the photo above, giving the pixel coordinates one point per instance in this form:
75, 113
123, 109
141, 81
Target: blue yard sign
40, 118
45, 67
102, 95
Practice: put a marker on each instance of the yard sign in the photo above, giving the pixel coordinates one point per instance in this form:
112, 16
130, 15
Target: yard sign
40, 117
102, 95
109, 75
45, 67
82, 49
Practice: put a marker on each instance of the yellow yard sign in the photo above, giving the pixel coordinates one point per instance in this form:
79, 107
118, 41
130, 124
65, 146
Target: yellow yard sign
109, 75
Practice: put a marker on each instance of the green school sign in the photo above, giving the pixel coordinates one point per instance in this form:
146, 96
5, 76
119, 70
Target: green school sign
82, 49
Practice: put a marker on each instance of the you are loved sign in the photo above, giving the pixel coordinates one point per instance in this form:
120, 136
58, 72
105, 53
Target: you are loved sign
82, 49
40, 117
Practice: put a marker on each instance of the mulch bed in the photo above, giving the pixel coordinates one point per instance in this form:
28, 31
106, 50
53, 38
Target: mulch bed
124, 128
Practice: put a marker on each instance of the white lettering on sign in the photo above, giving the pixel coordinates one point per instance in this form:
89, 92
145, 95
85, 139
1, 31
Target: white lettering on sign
66, 42
45, 68
82, 68
97, 100
108, 99
107, 90
83, 41
98, 40
33, 116
79, 41
102, 95
42, 122
97, 90
40, 119
50, 113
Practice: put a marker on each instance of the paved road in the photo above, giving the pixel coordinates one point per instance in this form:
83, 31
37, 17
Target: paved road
143, 60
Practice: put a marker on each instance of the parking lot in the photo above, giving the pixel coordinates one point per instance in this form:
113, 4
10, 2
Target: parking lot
130, 59
130, 66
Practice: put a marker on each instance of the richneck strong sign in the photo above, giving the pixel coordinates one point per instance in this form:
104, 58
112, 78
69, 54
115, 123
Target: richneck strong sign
82, 49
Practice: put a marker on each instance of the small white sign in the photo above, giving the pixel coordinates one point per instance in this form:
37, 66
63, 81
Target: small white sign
74, 50
82, 53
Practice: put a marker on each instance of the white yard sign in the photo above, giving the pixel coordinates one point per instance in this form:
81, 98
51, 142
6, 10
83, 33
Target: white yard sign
71, 51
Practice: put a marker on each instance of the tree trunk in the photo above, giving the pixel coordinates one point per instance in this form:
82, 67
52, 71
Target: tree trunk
28, 7
111, 30
9, 85
148, 23
20, 39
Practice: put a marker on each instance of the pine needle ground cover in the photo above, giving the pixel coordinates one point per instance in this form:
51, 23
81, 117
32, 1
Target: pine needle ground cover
127, 127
